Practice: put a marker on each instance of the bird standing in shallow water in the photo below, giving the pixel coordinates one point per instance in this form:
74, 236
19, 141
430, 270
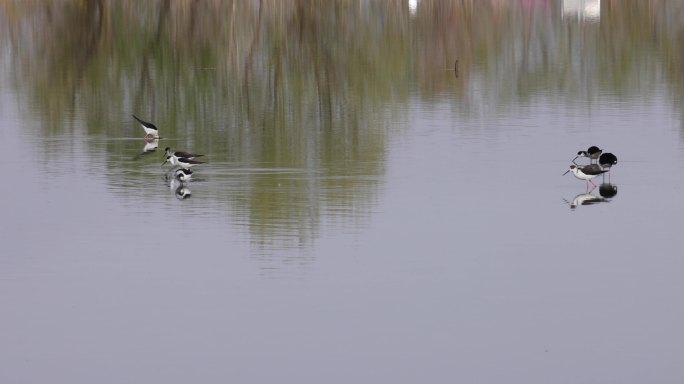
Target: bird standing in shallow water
586, 172
178, 154
181, 162
151, 131
592, 153
606, 161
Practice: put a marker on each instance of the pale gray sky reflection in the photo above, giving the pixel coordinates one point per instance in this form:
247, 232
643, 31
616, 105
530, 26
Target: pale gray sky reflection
363, 214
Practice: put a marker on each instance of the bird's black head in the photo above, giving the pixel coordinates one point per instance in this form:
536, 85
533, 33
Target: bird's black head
608, 158
570, 169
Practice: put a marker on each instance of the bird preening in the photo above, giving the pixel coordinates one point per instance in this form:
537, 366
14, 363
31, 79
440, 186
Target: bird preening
604, 162
607, 160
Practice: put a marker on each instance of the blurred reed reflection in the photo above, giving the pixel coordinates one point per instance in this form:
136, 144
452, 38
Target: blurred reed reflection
213, 69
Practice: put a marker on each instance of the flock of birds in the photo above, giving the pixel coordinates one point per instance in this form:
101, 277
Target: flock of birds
185, 160
182, 160
604, 162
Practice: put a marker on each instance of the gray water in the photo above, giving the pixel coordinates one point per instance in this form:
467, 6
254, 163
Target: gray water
362, 217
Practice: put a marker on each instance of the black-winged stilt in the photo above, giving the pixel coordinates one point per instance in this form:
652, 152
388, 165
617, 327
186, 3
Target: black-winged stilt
179, 154
586, 172
592, 153
181, 162
151, 131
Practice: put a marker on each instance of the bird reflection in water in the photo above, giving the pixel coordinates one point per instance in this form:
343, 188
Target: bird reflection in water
149, 147
183, 192
607, 192
179, 187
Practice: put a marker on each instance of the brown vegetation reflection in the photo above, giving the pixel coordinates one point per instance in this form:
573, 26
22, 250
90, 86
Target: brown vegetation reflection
293, 94
259, 63
314, 85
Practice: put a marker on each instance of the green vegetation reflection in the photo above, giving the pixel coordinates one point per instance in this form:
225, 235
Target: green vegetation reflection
312, 90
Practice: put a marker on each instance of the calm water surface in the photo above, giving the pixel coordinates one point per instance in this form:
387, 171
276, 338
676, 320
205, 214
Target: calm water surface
365, 215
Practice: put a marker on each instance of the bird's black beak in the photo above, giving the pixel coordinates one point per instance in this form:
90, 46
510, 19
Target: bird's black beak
565, 172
